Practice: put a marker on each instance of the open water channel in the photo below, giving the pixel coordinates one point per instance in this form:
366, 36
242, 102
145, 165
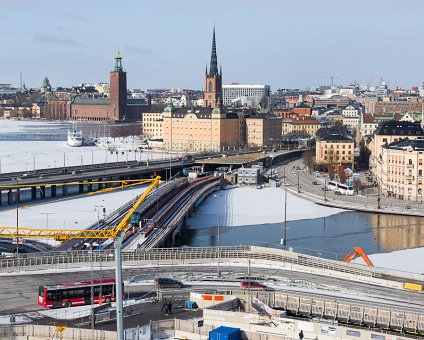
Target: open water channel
330, 237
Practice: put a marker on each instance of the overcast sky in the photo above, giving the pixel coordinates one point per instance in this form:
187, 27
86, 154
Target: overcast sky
166, 43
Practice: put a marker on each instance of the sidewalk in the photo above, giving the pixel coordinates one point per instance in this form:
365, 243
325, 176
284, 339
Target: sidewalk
358, 203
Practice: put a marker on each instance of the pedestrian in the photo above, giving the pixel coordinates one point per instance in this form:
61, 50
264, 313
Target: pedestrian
301, 335
164, 305
169, 307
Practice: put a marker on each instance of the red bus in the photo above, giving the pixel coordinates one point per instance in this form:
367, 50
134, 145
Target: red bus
76, 294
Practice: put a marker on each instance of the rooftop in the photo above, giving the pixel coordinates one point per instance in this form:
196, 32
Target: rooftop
403, 144
336, 138
404, 128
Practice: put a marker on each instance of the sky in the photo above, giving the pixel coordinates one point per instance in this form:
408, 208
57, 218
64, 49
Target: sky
167, 43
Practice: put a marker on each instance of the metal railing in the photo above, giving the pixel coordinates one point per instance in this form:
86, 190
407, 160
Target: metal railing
201, 255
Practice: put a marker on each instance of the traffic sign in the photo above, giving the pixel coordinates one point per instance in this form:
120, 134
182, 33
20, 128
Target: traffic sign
200, 323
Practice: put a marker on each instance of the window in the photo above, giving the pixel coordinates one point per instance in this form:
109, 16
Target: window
210, 86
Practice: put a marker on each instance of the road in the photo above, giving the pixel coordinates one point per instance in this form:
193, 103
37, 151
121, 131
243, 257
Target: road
366, 202
19, 293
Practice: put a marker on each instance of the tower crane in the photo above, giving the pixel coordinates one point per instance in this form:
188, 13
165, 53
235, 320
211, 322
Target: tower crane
115, 233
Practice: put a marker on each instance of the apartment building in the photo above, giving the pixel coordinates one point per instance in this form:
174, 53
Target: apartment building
152, 125
336, 150
400, 169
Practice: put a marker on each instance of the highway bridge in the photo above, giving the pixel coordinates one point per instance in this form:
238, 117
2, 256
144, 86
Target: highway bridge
304, 285
72, 180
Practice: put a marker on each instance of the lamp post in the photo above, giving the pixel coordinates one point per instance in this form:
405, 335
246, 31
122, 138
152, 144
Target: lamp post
90, 245
17, 218
64, 157
47, 218
219, 233
298, 181
285, 209
33, 159
325, 189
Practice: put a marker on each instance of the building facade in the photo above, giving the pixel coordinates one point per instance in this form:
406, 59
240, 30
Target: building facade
387, 133
400, 169
152, 125
246, 95
263, 131
336, 150
201, 130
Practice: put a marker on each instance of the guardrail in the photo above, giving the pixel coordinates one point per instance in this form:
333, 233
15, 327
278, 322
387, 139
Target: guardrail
274, 256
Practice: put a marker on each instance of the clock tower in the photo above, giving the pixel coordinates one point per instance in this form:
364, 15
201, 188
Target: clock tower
213, 79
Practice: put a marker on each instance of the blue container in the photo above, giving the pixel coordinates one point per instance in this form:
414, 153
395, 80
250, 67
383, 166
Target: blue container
225, 333
191, 304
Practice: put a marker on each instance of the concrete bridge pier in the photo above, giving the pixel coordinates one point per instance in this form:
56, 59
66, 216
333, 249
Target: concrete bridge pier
33, 193
53, 191
42, 191
81, 187
10, 197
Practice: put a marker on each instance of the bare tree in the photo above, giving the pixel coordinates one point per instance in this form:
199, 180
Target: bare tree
331, 171
308, 159
342, 174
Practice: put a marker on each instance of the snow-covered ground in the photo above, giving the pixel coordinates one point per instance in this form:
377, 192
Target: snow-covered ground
25, 155
251, 206
408, 260
21, 156
72, 213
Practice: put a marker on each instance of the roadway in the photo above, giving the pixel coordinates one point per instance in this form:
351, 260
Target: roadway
366, 202
18, 293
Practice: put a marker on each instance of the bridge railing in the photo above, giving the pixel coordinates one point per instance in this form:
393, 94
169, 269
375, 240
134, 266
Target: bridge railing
271, 256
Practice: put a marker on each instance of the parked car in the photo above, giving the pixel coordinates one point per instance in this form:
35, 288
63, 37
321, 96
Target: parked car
315, 183
164, 282
252, 285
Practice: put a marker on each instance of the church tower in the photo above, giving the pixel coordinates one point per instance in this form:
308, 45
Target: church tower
118, 89
213, 79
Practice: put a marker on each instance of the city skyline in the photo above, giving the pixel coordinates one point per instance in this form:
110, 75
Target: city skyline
279, 43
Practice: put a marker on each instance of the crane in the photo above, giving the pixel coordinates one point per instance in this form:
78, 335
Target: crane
115, 233
357, 251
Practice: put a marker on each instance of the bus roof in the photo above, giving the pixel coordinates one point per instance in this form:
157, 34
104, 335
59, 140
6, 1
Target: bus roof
79, 284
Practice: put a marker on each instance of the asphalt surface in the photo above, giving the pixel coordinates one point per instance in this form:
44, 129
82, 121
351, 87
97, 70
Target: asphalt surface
366, 202
19, 293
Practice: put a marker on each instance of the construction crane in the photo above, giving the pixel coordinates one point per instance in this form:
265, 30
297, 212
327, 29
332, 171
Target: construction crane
357, 251
115, 233
63, 235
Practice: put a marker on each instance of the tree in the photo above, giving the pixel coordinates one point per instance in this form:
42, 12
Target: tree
308, 159
331, 171
342, 174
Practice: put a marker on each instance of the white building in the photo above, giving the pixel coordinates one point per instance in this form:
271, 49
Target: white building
351, 111
246, 95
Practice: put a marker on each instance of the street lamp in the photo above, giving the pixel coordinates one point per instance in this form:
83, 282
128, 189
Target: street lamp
285, 209
90, 245
17, 216
219, 233
33, 155
47, 218
64, 157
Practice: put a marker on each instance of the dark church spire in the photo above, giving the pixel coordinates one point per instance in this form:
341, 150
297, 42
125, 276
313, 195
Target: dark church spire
213, 70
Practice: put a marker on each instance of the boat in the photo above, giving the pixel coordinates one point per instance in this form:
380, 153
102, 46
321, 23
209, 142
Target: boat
74, 137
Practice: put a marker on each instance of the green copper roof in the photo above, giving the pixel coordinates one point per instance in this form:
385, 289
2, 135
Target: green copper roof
46, 83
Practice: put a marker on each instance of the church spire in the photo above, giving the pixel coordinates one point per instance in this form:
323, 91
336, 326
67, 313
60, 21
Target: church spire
213, 70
